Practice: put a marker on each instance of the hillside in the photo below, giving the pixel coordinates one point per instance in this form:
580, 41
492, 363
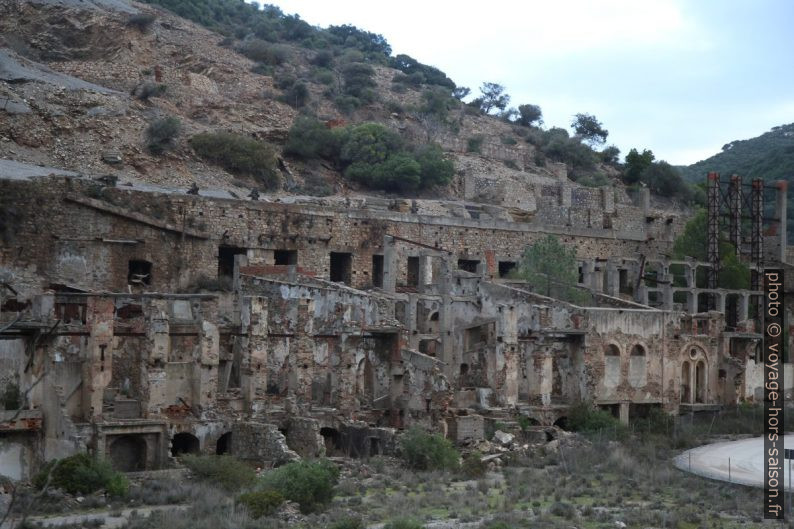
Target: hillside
140, 94
769, 156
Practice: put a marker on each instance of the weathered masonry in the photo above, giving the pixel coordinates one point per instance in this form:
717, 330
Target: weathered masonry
143, 325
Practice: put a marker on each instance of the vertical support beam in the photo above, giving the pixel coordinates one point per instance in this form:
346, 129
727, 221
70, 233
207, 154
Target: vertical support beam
757, 235
713, 230
781, 214
389, 264
735, 207
624, 412
97, 368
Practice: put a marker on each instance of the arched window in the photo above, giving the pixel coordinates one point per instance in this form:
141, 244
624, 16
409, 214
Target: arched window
638, 350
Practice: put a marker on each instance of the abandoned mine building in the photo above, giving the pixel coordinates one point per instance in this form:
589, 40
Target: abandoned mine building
141, 323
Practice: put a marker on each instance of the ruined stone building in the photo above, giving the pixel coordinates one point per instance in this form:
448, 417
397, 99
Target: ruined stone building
140, 323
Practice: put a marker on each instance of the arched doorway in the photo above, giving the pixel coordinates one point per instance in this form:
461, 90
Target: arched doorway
224, 444
128, 453
562, 422
686, 380
637, 366
700, 382
184, 443
365, 381
611, 366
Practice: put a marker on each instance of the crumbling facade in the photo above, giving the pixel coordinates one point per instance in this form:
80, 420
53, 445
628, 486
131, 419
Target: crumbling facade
141, 325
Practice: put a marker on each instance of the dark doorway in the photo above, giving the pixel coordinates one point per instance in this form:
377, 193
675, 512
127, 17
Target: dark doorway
341, 267
412, 272
468, 265
184, 443
226, 259
331, 438
139, 272
128, 453
377, 271
285, 257
505, 267
224, 444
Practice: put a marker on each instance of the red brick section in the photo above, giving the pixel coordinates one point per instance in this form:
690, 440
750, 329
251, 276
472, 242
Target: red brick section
490, 262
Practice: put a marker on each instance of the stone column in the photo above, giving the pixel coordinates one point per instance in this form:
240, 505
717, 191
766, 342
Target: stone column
158, 341
612, 287
624, 412
253, 364
206, 381
744, 307
390, 267
97, 368
719, 297
588, 271
692, 301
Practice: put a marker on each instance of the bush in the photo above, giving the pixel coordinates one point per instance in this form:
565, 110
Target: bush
473, 466
583, 417
161, 134
403, 523
308, 483
227, 472
358, 81
563, 510
297, 95
474, 144
238, 154
261, 502
434, 168
142, 21
146, 90
309, 138
324, 59
424, 451
82, 474
260, 51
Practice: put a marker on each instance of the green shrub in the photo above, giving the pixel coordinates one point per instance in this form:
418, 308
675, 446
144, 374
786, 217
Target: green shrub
584, 417
323, 58
161, 134
225, 471
473, 466
403, 523
261, 51
524, 422
310, 484
261, 502
563, 510
359, 81
474, 144
82, 474
424, 451
238, 154
309, 138
434, 168
323, 76
297, 95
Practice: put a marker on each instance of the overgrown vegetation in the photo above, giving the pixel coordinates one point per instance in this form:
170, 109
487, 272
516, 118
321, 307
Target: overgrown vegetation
310, 484
161, 134
425, 451
584, 417
224, 471
551, 269
11, 397
238, 154
81, 474
371, 154
660, 177
261, 503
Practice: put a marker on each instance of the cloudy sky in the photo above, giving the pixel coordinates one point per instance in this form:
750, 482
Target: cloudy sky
682, 78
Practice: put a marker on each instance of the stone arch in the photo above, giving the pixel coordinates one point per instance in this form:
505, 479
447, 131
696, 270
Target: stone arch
561, 422
128, 453
224, 444
611, 365
638, 366
365, 380
185, 443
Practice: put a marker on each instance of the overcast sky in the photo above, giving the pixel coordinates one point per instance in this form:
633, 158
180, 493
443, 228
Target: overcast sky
681, 78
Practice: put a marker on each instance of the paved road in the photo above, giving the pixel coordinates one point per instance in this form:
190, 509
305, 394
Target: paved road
746, 461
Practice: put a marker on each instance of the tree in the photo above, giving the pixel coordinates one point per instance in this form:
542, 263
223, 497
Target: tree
530, 115
692, 242
589, 128
636, 163
611, 155
461, 92
493, 97
664, 180
552, 268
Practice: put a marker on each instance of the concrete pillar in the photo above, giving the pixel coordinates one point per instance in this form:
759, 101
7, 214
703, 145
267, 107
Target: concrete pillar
390, 267
446, 321
159, 345
692, 301
97, 368
206, 380
612, 287
689, 275
588, 273
667, 296
744, 307
642, 294
565, 194
780, 214
425, 271
719, 298
624, 412
253, 350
